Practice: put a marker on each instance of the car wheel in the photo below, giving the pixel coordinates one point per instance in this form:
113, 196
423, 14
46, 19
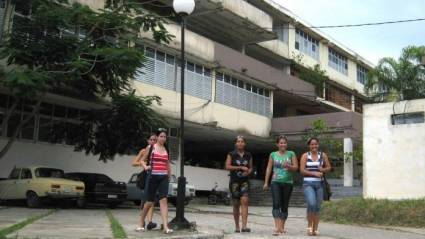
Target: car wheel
227, 201
137, 202
81, 202
33, 200
186, 202
212, 200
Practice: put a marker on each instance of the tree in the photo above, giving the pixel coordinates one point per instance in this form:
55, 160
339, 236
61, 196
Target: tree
93, 55
332, 146
402, 79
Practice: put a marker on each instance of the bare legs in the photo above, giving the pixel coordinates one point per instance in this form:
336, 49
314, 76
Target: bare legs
236, 213
240, 208
149, 207
149, 215
163, 203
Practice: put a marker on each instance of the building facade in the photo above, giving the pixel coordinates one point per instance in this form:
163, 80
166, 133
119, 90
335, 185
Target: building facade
241, 78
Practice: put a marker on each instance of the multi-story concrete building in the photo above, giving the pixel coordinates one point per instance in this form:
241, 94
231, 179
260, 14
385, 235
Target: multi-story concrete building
240, 79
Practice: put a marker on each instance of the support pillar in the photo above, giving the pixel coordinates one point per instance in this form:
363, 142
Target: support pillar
348, 162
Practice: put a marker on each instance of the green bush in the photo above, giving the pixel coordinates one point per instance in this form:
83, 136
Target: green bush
408, 213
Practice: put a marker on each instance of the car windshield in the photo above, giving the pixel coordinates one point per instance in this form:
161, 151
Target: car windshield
133, 178
49, 173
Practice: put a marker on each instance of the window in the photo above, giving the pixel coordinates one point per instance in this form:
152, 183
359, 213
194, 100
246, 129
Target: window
242, 95
164, 71
160, 56
361, 74
15, 173
338, 61
49, 173
282, 31
101, 178
408, 118
306, 44
26, 174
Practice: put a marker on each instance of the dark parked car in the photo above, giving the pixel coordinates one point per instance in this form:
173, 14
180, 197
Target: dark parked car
100, 188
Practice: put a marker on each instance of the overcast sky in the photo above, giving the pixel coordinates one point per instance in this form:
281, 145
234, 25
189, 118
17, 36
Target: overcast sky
373, 42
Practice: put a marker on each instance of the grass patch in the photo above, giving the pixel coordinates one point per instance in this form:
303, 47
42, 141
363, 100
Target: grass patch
18, 226
407, 213
116, 227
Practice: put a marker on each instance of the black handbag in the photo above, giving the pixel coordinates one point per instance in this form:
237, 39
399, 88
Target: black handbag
327, 192
143, 176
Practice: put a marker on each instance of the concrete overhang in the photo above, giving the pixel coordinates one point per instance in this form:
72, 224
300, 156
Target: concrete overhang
231, 20
340, 124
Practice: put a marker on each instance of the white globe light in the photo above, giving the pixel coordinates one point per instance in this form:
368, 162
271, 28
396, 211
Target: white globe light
184, 6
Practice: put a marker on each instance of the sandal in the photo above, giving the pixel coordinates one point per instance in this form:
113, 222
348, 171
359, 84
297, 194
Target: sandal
310, 231
168, 231
276, 233
316, 233
140, 229
246, 230
237, 231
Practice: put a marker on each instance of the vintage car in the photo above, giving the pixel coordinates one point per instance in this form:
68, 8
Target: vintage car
100, 189
35, 184
135, 193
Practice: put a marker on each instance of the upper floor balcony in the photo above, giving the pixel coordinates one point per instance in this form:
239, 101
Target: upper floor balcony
230, 21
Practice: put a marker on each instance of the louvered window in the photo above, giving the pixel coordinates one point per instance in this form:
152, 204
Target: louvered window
161, 70
242, 95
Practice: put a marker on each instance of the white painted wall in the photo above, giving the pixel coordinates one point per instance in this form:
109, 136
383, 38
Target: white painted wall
394, 155
61, 156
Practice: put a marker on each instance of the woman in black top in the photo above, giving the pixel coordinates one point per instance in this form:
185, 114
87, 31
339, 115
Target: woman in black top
239, 163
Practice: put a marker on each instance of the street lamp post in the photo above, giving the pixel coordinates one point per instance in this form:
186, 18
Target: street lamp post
183, 8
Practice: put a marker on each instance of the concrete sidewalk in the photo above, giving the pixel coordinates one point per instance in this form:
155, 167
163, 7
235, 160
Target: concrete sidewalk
212, 222
10, 216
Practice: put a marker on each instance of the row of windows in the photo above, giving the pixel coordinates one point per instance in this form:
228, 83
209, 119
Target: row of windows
243, 85
171, 60
310, 46
338, 61
40, 127
162, 69
307, 44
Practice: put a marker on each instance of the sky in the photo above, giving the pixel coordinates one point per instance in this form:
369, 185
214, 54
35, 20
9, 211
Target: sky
372, 42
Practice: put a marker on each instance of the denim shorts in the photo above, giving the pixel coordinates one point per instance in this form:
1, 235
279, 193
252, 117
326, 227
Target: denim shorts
313, 193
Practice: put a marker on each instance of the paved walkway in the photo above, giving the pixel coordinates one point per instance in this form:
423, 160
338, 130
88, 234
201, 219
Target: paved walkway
212, 223
11, 216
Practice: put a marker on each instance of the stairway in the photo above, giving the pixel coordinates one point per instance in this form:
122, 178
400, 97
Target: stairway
258, 197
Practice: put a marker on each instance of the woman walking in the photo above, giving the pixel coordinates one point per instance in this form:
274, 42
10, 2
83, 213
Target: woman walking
239, 163
313, 165
158, 180
137, 162
283, 163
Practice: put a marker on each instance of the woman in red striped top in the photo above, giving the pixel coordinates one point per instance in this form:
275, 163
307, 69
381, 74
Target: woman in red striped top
158, 179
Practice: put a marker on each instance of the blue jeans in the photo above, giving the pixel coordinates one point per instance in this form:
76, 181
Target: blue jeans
281, 192
313, 193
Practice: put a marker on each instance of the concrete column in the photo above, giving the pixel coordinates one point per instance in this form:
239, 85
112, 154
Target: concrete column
353, 103
348, 162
